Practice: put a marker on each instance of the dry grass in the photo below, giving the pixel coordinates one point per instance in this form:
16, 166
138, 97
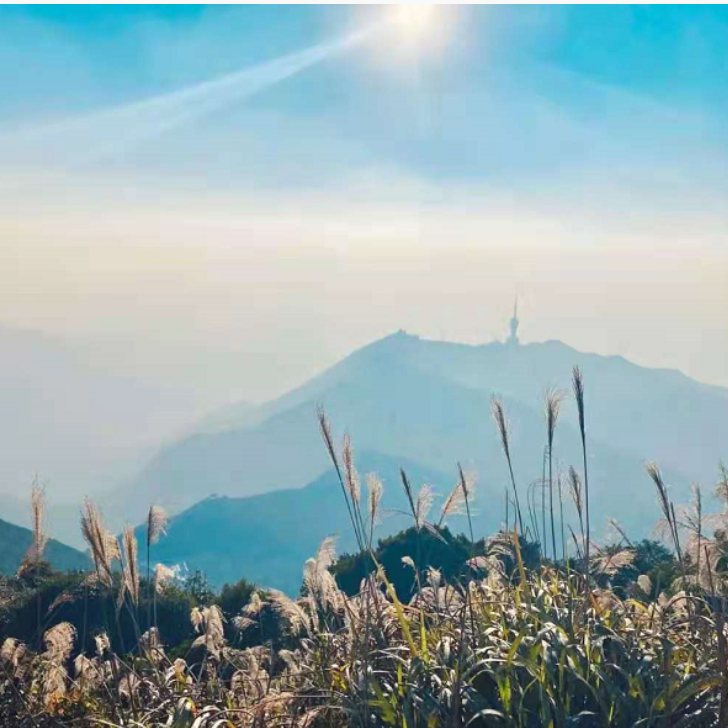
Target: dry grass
505, 644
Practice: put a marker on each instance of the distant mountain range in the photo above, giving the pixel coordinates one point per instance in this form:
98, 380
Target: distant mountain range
76, 418
14, 543
267, 538
405, 399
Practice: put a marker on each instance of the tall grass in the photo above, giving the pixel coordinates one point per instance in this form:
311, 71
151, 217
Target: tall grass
502, 423
510, 641
578, 386
552, 406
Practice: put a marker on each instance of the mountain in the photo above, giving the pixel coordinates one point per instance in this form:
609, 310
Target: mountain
267, 538
14, 543
80, 420
222, 419
429, 402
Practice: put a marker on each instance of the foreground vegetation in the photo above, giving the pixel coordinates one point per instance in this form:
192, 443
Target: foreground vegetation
537, 625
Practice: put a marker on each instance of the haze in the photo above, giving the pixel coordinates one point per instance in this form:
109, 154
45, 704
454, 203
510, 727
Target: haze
575, 157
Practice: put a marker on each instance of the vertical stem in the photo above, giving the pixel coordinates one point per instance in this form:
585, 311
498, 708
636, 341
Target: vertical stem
586, 500
543, 505
85, 617
506, 494
470, 521
149, 580
154, 598
578, 383
515, 493
561, 514
532, 513
38, 610
551, 502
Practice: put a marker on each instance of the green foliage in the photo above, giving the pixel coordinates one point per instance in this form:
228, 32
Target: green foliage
65, 597
444, 552
650, 558
233, 597
515, 646
199, 588
658, 562
434, 548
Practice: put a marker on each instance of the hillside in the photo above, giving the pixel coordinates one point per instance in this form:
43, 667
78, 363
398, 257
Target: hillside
15, 540
79, 420
428, 402
654, 413
267, 538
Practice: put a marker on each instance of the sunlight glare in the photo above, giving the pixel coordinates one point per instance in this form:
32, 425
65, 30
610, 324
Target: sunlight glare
414, 22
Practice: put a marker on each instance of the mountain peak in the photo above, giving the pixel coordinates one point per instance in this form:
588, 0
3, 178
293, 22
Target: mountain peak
394, 341
428, 401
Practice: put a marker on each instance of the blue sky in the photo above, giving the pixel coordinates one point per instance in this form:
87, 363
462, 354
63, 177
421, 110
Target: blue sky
585, 141
666, 51
515, 91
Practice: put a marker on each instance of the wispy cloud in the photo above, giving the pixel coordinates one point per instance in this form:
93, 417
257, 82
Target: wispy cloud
110, 131
488, 174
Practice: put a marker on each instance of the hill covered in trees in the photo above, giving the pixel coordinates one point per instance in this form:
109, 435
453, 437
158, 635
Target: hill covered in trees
267, 537
15, 541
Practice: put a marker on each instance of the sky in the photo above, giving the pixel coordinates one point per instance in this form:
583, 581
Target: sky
246, 194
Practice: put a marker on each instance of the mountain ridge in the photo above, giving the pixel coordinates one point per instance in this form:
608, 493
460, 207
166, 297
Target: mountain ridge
14, 543
428, 401
267, 537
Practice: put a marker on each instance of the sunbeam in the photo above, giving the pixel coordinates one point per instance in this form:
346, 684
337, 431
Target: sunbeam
108, 132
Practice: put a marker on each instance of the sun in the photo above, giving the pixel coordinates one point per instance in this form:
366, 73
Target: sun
406, 38
414, 22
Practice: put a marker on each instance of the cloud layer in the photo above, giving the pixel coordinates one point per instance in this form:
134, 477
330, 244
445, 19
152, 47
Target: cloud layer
342, 202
